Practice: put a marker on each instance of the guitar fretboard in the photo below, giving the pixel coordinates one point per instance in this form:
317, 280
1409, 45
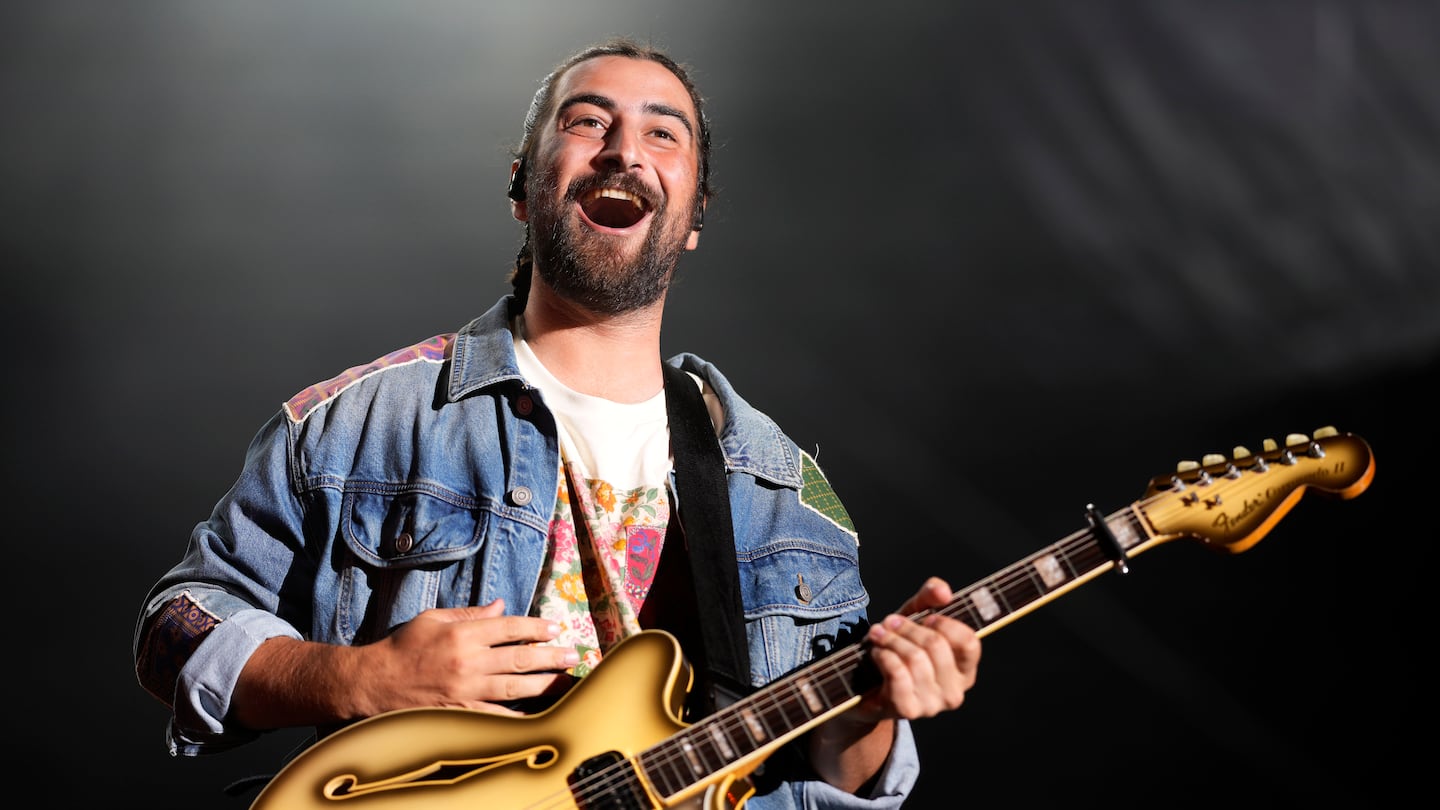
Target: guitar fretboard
823, 688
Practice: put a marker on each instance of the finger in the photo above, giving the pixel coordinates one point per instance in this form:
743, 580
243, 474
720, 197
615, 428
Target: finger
928, 666
490, 627
469, 613
902, 651
964, 646
524, 658
509, 688
494, 708
934, 592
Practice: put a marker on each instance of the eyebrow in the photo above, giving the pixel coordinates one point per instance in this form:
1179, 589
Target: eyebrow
607, 103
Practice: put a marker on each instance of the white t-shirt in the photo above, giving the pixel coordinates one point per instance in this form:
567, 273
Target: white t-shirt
617, 456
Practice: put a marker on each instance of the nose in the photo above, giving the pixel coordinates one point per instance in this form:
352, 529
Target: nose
622, 150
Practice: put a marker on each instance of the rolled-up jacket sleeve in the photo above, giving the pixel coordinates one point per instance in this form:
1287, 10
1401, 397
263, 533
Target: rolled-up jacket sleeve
204, 617
207, 682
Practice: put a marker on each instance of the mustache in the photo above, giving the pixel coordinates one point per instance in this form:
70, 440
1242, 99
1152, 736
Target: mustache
581, 186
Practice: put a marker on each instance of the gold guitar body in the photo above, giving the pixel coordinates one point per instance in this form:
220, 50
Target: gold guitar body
429, 759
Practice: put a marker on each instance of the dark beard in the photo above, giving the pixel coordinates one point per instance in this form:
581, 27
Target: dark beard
583, 267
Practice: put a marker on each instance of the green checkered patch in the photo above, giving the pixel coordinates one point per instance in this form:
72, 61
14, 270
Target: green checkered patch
817, 494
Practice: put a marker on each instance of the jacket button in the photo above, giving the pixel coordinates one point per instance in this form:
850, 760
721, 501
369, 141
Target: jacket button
521, 496
404, 542
524, 405
802, 591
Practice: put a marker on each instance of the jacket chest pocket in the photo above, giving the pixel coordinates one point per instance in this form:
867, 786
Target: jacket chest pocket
403, 551
797, 597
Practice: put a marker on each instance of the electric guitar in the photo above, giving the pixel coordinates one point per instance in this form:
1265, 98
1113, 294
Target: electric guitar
617, 740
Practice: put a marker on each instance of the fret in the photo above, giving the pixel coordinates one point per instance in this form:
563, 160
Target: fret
810, 697
712, 755
843, 684
679, 762
1090, 555
1066, 554
1022, 592
786, 713
1126, 530
773, 717
720, 740
753, 725
692, 758
964, 610
662, 767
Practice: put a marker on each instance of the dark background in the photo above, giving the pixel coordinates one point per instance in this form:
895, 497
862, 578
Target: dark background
994, 260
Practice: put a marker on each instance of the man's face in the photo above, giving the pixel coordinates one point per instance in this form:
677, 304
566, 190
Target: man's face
613, 184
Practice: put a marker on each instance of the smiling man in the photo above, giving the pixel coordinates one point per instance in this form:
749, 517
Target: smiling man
627, 162
478, 520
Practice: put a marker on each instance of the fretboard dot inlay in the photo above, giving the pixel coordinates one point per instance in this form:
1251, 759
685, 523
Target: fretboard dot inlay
1050, 570
985, 603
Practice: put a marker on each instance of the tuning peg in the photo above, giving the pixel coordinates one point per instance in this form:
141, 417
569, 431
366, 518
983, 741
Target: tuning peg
1296, 439
1187, 466
1241, 451
1326, 432
1216, 459
1269, 445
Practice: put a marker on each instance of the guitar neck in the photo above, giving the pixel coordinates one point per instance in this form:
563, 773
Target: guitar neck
1050, 572
755, 726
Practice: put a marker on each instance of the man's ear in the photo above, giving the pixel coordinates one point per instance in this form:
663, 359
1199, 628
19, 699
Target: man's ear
516, 190
699, 222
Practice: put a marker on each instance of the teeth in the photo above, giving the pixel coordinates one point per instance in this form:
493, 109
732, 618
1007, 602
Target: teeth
619, 194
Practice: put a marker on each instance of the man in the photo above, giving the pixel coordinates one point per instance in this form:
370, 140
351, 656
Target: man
473, 521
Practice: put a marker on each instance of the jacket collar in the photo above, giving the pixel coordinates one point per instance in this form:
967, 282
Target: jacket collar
484, 355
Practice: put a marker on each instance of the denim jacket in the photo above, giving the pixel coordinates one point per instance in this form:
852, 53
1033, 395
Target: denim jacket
428, 479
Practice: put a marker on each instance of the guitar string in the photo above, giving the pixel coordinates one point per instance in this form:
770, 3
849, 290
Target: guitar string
669, 752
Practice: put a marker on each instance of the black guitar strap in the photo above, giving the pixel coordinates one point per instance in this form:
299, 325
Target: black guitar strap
713, 634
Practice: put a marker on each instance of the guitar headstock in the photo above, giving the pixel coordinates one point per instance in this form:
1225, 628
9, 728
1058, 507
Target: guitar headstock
1231, 503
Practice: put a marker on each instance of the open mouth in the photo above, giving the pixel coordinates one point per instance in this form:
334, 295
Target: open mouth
613, 207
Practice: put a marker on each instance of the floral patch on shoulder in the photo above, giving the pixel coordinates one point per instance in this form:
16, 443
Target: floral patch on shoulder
434, 350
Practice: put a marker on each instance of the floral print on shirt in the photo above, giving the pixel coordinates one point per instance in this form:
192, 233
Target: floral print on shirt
594, 590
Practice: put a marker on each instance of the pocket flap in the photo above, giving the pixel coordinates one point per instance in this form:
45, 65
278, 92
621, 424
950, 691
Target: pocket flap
409, 529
